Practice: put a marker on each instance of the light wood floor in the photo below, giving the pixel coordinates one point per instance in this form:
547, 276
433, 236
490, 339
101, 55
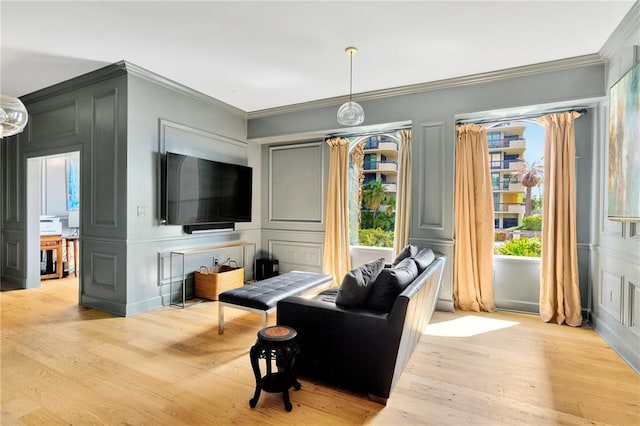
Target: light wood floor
67, 364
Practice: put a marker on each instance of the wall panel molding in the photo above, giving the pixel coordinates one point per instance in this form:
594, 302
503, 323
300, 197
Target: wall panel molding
53, 121
104, 270
296, 182
611, 293
633, 319
431, 157
294, 255
104, 165
12, 186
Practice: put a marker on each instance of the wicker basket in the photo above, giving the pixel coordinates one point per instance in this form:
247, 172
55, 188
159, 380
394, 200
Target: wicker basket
209, 283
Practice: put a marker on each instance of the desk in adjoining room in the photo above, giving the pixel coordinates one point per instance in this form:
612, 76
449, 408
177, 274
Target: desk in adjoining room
50, 243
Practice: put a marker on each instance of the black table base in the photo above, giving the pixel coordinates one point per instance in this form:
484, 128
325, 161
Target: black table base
277, 343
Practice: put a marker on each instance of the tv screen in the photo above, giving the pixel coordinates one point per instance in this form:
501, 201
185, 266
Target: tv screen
204, 191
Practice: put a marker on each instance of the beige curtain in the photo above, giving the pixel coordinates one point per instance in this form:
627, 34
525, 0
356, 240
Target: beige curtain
473, 260
403, 194
559, 289
336, 259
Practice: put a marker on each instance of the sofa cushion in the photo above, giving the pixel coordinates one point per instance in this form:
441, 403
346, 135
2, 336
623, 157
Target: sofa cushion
423, 259
356, 284
407, 252
390, 283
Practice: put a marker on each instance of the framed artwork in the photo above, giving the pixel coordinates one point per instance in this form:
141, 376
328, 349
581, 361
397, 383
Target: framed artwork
73, 185
624, 148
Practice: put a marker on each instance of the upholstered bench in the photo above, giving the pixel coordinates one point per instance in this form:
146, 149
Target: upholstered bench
263, 296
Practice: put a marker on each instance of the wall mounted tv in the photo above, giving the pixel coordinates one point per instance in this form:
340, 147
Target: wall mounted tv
203, 194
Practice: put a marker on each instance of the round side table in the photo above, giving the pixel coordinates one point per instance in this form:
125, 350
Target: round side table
275, 343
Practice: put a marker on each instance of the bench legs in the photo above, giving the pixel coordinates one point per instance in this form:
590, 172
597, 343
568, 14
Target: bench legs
220, 318
221, 306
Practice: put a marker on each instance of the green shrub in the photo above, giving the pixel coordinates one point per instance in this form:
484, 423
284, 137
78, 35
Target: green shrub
528, 247
375, 238
532, 223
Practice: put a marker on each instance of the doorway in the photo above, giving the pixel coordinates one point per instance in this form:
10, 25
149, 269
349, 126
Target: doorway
53, 217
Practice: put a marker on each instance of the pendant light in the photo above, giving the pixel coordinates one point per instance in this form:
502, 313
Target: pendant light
13, 116
350, 113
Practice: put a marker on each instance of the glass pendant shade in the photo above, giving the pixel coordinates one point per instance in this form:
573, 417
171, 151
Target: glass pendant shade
350, 114
13, 116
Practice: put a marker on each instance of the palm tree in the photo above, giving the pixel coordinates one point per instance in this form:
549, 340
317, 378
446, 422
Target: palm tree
374, 196
530, 177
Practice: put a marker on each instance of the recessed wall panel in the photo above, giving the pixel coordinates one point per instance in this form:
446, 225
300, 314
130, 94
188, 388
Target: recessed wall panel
105, 147
295, 183
53, 121
293, 255
431, 160
11, 191
104, 268
634, 307
611, 293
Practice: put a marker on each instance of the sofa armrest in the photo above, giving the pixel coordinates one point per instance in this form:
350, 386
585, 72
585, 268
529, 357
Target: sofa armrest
351, 347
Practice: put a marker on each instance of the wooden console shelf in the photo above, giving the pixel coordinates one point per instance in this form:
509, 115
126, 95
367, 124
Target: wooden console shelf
195, 250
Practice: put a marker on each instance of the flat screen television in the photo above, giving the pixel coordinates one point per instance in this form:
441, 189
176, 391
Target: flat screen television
198, 191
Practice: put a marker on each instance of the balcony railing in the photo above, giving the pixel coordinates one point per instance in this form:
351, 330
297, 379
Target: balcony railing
507, 143
513, 186
381, 145
507, 165
381, 165
508, 208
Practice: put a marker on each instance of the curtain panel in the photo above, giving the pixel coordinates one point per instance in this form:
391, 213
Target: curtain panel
474, 234
403, 193
559, 287
336, 259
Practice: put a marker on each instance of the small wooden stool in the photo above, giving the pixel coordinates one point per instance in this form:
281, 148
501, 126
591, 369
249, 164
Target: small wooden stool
277, 342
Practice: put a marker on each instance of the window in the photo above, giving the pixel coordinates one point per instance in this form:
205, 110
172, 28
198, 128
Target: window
372, 204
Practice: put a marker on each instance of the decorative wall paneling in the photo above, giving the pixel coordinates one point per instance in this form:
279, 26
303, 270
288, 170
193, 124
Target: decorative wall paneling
446, 247
294, 179
164, 117
89, 117
431, 166
295, 250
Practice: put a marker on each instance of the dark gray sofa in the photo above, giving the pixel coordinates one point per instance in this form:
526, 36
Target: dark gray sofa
361, 349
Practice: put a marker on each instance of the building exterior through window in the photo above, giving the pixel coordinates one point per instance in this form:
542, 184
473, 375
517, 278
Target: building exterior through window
506, 157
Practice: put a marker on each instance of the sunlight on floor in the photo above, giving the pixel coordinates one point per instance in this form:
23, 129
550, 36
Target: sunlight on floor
467, 326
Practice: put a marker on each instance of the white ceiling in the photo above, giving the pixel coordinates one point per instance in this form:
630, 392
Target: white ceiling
264, 54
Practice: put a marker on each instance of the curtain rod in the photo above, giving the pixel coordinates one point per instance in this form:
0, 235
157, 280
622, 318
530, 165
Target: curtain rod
581, 111
368, 133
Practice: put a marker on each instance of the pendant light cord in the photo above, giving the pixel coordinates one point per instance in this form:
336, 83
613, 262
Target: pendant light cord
350, 75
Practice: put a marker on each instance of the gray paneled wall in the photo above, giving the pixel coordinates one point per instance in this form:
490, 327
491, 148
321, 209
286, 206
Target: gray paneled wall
163, 117
616, 264
120, 118
433, 114
87, 114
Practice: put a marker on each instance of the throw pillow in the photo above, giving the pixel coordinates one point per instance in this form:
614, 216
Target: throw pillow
390, 283
355, 285
407, 252
424, 258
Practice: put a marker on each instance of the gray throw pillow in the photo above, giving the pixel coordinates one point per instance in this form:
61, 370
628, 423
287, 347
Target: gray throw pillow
407, 252
424, 258
356, 284
390, 283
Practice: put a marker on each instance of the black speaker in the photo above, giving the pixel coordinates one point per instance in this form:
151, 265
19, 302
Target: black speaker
266, 268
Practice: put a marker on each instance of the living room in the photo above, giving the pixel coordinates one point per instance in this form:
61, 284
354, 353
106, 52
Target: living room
139, 114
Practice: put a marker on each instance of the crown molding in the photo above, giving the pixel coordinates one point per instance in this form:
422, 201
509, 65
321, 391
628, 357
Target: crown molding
181, 88
561, 64
92, 77
623, 31
124, 68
